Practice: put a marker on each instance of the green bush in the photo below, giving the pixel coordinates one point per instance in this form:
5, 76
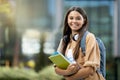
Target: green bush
48, 73
16, 74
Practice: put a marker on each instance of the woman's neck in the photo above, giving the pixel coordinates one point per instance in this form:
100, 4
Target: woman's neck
74, 32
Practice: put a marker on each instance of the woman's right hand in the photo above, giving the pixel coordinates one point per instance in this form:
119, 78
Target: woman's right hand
60, 71
72, 68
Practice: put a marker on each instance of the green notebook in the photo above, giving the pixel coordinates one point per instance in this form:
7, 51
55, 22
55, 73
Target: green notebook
59, 60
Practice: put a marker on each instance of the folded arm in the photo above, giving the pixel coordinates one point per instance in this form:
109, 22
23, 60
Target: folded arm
71, 69
81, 74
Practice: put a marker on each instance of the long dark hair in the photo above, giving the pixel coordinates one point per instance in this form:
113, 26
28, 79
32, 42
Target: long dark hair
67, 31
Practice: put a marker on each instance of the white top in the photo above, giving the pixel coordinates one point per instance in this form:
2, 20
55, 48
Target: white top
69, 56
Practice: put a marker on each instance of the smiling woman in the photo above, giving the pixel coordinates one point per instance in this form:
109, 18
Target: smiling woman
82, 66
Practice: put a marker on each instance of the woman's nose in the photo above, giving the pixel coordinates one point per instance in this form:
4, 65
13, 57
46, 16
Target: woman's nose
73, 20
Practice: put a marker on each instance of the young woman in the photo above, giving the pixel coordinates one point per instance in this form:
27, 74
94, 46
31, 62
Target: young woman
83, 67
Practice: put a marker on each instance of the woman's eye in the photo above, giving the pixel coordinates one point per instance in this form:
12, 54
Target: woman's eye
78, 18
71, 18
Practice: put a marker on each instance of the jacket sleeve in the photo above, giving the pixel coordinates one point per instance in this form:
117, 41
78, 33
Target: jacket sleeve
92, 56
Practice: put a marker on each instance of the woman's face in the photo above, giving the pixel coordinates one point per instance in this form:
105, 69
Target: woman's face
75, 20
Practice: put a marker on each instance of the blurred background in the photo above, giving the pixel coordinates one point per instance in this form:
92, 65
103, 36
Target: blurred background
30, 31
